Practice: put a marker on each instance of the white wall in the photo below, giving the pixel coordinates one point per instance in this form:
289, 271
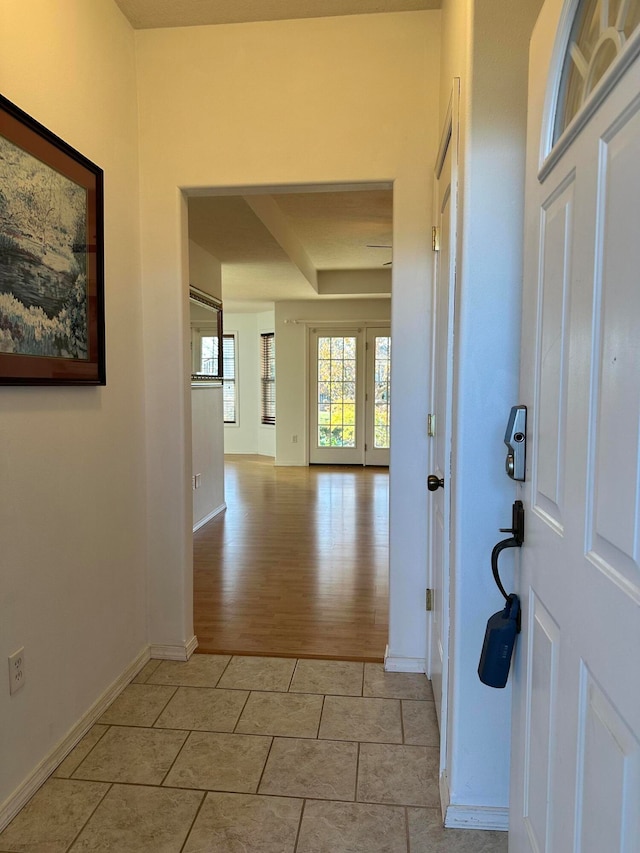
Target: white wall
72, 517
292, 364
492, 66
207, 431
207, 452
319, 101
205, 271
249, 435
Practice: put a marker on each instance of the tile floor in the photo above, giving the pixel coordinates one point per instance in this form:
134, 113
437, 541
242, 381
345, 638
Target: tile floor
252, 755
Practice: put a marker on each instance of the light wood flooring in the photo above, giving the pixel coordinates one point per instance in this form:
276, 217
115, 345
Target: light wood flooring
297, 565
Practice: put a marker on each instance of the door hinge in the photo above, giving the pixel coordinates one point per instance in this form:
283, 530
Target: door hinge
435, 238
431, 425
429, 599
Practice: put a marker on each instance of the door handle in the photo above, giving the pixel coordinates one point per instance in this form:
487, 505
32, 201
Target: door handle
434, 483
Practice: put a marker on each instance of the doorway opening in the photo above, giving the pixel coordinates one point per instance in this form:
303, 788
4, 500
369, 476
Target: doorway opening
294, 560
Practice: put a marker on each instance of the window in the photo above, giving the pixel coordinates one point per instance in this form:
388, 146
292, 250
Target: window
229, 379
382, 390
600, 31
336, 393
267, 378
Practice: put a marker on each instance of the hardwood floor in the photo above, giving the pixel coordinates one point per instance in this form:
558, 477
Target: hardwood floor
297, 565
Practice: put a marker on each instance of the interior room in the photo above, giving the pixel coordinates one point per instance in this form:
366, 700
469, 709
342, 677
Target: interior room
319, 260
507, 136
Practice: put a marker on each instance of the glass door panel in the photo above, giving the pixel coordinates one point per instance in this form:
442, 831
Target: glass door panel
378, 396
335, 435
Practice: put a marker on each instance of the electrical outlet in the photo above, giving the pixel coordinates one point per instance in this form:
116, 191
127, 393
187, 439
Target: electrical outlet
16, 670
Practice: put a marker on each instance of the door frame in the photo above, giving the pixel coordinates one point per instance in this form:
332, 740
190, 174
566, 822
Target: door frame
449, 141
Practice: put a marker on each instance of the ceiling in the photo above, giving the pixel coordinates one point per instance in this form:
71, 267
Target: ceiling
145, 14
305, 245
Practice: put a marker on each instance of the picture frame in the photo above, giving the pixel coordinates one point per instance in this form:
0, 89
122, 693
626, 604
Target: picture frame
207, 368
52, 327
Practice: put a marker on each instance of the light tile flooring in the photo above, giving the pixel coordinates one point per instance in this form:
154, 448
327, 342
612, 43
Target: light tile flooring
252, 755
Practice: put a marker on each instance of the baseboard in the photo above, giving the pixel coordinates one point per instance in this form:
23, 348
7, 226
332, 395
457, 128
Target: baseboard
277, 464
476, 817
396, 663
444, 795
12, 805
174, 652
211, 515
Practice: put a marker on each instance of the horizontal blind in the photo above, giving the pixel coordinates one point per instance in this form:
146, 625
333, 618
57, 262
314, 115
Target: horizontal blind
229, 378
268, 378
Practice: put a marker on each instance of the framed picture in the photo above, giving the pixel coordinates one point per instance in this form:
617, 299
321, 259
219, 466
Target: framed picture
51, 258
206, 337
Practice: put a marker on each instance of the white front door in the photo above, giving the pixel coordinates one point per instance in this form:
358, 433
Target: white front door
440, 417
576, 735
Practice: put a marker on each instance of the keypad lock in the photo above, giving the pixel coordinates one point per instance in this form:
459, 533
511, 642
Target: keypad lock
516, 440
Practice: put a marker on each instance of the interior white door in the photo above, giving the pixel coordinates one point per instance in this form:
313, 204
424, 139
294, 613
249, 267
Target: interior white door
576, 734
440, 418
377, 396
336, 422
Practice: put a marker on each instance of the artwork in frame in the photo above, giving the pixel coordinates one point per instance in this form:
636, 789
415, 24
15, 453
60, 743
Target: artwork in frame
51, 258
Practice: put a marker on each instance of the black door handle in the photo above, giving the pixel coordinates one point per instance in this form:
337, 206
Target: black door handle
434, 483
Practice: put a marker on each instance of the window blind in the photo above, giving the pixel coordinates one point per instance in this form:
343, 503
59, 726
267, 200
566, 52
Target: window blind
268, 378
229, 378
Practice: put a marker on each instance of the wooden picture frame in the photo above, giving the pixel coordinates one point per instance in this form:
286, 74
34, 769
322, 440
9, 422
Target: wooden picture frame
213, 371
51, 258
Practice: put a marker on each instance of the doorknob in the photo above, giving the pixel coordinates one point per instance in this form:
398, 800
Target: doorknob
434, 483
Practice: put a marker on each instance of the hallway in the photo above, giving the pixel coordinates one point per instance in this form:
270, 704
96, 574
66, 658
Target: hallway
252, 755
298, 563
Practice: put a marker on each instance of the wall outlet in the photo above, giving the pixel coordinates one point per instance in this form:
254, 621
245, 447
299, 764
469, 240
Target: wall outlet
16, 670
294, 439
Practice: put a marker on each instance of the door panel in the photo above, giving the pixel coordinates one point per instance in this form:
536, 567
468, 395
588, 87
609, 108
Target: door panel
553, 357
378, 396
336, 396
576, 733
613, 529
542, 697
440, 445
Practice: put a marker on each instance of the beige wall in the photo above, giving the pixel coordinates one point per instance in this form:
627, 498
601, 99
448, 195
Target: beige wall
248, 435
72, 514
208, 452
318, 101
205, 271
485, 43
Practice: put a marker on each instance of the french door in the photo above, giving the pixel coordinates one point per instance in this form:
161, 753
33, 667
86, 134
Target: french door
377, 396
350, 396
